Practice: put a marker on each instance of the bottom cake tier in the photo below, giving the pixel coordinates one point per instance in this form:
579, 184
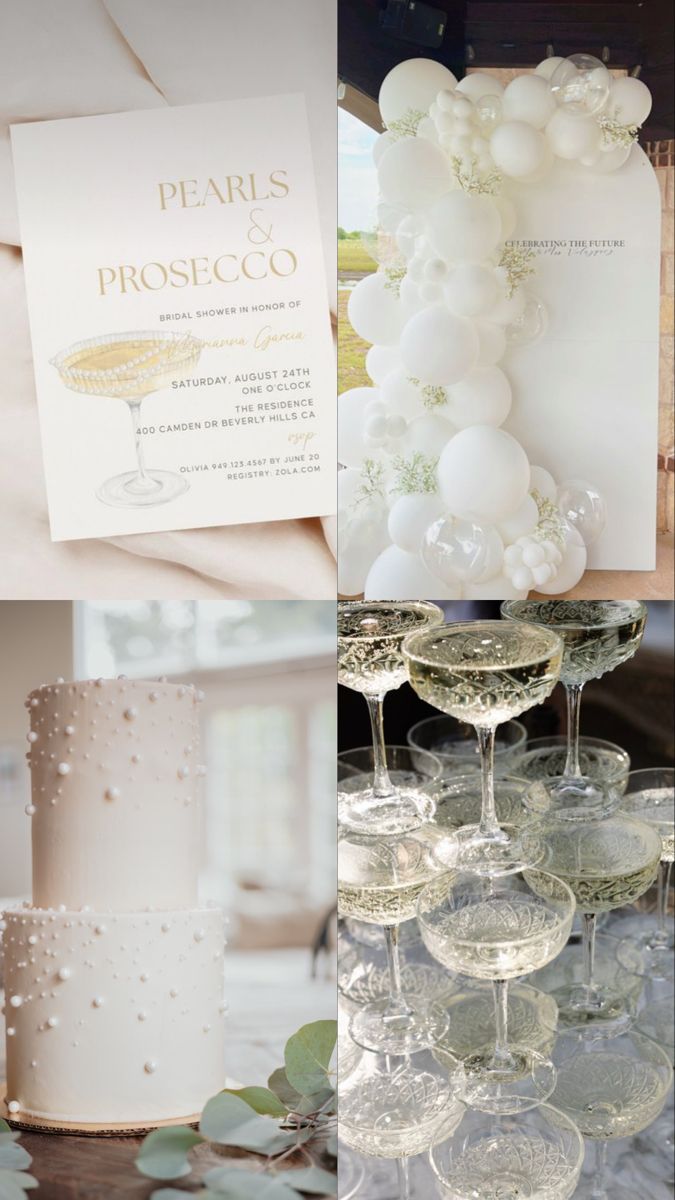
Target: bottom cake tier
113, 1017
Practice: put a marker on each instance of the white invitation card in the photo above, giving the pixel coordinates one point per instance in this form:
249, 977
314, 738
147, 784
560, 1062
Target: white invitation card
181, 337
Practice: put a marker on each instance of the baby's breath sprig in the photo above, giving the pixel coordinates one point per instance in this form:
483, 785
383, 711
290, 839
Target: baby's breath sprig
518, 265
406, 126
394, 275
415, 475
471, 180
616, 134
432, 396
550, 526
372, 485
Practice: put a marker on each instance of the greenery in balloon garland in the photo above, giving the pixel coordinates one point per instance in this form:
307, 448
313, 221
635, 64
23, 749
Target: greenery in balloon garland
550, 526
472, 181
616, 134
415, 475
15, 1181
433, 396
517, 263
293, 1116
394, 276
406, 126
372, 482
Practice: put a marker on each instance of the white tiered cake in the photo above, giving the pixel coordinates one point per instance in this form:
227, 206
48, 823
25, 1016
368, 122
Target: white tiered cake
113, 976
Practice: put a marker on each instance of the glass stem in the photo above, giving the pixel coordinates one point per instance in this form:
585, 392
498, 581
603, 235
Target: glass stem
403, 1170
572, 767
599, 1191
381, 781
397, 1008
135, 410
662, 882
488, 825
502, 1057
588, 938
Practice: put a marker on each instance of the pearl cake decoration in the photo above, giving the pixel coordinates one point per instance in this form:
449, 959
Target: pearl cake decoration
114, 973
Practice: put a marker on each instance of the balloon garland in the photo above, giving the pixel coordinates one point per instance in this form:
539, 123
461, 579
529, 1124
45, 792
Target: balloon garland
434, 497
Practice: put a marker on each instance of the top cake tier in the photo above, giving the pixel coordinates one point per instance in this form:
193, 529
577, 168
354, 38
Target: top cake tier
114, 767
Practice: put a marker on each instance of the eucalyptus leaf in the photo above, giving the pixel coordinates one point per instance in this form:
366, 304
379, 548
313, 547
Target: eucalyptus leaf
243, 1184
4, 1127
332, 1145
261, 1100
10, 1187
312, 1104
307, 1056
13, 1156
163, 1154
314, 1180
278, 1083
227, 1120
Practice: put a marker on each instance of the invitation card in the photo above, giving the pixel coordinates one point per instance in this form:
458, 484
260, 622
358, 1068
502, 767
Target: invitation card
181, 338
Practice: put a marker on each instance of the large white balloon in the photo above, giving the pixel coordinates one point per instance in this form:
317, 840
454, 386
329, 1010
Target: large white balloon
604, 164
571, 568
361, 538
464, 226
491, 342
428, 435
543, 482
374, 311
508, 308
483, 472
508, 214
397, 575
380, 360
528, 98
482, 397
475, 85
381, 144
410, 517
630, 101
520, 522
413, 172
571, 136
352, 447
517, 148
412, 86
401, 396
438, 347
471, 289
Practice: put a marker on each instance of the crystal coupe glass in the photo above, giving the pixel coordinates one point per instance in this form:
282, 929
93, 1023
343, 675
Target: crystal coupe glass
413, 776
650, 796
485, 673
370, 661
129, 367
499, 928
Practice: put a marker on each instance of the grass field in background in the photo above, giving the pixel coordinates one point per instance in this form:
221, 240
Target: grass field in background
351, 351
353, 256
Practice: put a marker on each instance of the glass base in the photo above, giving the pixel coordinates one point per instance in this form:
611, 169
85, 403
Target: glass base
526, 1083
134, 491
570, 799
351, 1175
420, 1029
508, 851
587, 1189
643, 955
364, 811
607, 1006
600, 761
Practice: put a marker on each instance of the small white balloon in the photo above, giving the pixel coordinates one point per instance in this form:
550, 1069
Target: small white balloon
438, 347
374, 311
630, 101
409, 297
482, 397
508, 214
397, 575
407, 233
517, 148
428, 435
411, 87
571, 136
382, 143
476, 84
584, 507
491, 342
580, 85
410, 517
571, 567
459, 550
413, 172
543, 482
483, 473
471, 289
548, 66
380, 360
528, 98
464, 226
521, 522
401, 396
352, 417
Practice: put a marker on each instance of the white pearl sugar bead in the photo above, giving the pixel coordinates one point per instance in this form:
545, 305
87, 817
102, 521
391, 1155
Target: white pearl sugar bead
63, 768
183, 772
130, 714
98, 1002
100, 929
32, 737
64, 973
153, 696
69, 730
30, 810
11, 1031
150, 1067
112, 793
14, 1106
52, 1022
142, 1015
16, 1001
199, 935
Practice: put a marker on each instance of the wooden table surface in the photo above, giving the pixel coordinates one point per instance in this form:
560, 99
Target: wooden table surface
270, 995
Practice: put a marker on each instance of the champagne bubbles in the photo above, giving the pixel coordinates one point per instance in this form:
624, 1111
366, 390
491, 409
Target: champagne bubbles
518, 149
530, 325
483, 474
460, 550
630, 101
528, 98
582, 505
580, 85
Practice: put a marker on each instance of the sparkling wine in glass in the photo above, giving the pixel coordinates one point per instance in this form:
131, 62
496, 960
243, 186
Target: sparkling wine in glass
129, 367
370, 661
650, 796
485, 673
598, 635
499, 928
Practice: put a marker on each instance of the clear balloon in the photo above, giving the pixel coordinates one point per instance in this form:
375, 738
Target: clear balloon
580, 84
584, 507
488, 112
530, 325
460, 550
571, 567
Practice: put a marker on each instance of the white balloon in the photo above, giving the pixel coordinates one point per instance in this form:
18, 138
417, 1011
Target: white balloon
410, 517
543, 168
498, 588
428, 435
374, 311
528, 98
508, 214
380, 360
571, 136
407, 234
491, 342
412, 85
413, 172
543, 482
483, 472
397, 575
427, 129
352, 446
349, 484
382, 142
475, 85
548, 66
401, 396
521, 522
471, 289
572, 566
482, 397
604, 164
508, 308
361, 538
409, 297
630, 101
517, 148
464, 226
438, 347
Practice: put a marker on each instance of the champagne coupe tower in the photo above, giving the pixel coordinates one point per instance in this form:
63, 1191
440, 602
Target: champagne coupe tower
113, 973
129, 367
